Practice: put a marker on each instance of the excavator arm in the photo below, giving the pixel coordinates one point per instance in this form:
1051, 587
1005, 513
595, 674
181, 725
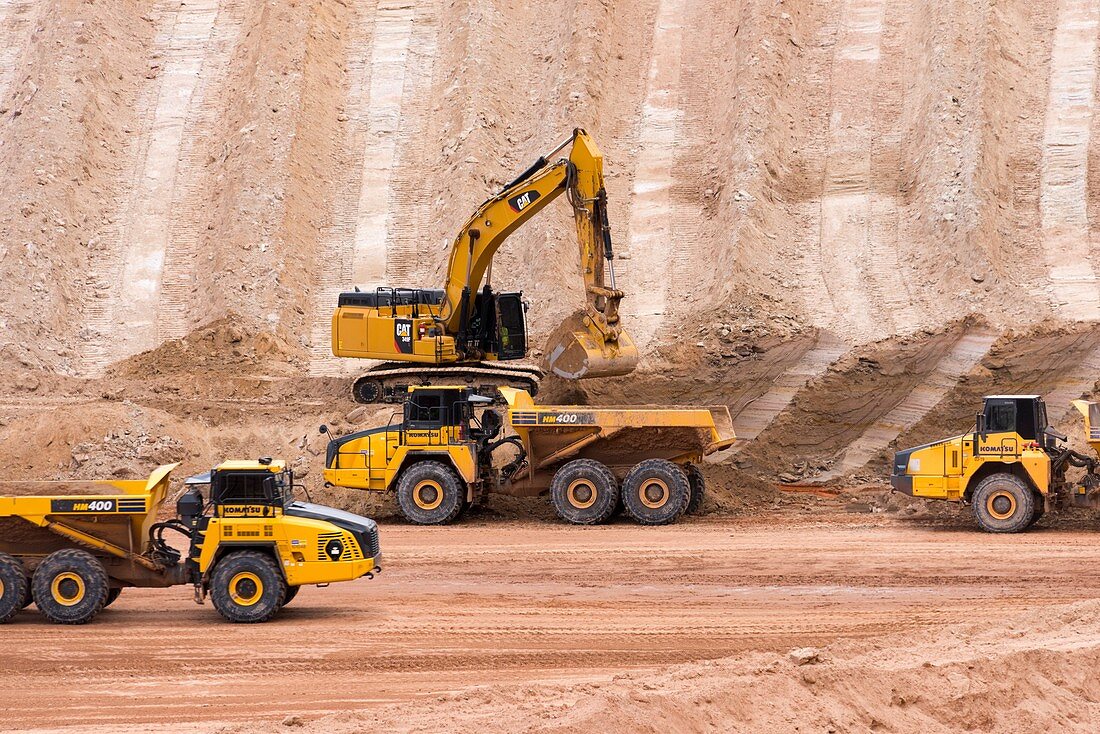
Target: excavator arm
591, 342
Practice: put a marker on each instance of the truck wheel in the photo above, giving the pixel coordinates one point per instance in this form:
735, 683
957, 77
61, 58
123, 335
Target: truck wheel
247, 586
698, 488
112, 595
70, 587
584, 492
291, 592
430, 493
28, 597
656, 492
1003, 503
13, 587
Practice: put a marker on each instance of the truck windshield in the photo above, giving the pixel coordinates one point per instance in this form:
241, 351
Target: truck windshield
1000, 416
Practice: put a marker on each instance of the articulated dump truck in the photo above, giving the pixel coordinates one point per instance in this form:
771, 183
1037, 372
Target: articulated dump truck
451, 447
248, 544
1012, 467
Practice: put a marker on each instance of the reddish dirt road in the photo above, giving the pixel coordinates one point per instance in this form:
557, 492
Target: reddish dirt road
496, 603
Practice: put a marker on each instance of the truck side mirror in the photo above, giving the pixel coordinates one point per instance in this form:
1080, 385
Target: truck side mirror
323, 429
979, 427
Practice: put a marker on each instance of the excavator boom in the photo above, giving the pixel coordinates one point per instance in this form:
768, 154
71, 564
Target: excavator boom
590, 342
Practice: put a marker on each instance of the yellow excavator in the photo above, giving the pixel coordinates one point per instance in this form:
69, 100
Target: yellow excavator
465, 333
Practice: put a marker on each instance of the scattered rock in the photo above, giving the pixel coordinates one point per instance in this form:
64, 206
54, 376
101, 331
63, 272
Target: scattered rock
804, 656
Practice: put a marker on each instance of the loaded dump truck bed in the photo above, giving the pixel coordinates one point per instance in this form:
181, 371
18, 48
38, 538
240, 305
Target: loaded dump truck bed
617, 436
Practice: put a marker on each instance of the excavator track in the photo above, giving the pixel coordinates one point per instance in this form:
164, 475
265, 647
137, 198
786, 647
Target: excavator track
389, 382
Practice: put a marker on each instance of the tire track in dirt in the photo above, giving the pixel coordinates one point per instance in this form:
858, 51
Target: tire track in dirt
964, 356
517, 613
758, 415
122, 320
1074, 289
17, 21
858, 266
645, 275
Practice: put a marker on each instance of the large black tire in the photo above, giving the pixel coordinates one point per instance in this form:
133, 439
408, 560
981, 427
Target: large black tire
1003, 503
698, 486
13, 587
70, 587
656, 492
430, 493
247, 586
112, 596
291, 592
1039, 511
584, 492
28, 598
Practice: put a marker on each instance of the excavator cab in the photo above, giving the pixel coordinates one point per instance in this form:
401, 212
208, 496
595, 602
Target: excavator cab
499, 325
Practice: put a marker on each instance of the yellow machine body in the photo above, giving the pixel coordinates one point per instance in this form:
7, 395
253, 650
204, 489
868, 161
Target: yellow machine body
1012, 466
1013, 439
117, 524
550, 436
300, 543
116, 527
464, 323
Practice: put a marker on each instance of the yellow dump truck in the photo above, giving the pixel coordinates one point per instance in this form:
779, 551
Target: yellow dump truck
1012, 467
248, 544
440, 456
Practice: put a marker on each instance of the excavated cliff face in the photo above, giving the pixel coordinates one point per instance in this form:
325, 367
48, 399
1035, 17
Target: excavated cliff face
844, 219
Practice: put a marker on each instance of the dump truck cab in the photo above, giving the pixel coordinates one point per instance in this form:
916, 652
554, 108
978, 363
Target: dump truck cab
252, 507
436, 439
1011, 466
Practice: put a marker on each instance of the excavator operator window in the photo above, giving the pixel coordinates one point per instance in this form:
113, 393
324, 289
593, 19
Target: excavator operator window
512, 326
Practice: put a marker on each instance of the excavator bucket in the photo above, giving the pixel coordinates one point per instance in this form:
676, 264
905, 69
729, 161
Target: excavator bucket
577, 351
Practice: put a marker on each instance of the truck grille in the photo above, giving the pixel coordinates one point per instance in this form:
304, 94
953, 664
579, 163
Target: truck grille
369, 540
350, 549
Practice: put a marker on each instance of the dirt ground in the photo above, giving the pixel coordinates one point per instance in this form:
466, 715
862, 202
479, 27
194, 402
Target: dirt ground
507, 625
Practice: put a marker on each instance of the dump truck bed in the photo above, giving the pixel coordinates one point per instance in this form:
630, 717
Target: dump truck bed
618, 436
117, 523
